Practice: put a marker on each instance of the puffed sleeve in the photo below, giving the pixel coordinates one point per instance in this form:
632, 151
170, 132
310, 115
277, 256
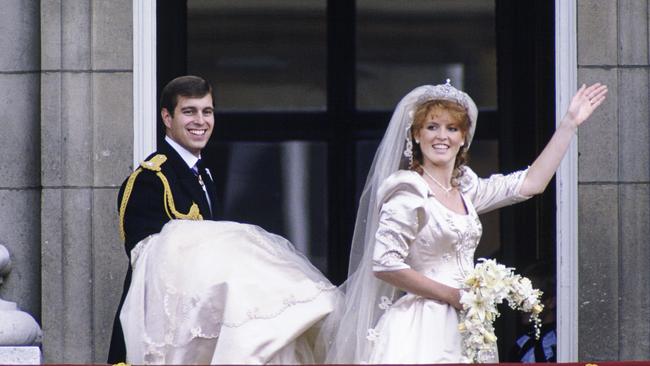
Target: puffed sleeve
401, 217
497, 191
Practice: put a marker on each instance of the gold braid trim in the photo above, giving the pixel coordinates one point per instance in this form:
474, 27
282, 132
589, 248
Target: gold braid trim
193, 214
125, 199
154, 165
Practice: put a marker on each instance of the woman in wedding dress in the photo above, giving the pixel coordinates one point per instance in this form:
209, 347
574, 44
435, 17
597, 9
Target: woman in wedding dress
217, 292
417, 228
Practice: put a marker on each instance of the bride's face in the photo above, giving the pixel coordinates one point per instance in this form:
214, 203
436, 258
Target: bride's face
440, 138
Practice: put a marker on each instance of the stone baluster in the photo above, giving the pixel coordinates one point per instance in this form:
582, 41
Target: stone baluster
20, 335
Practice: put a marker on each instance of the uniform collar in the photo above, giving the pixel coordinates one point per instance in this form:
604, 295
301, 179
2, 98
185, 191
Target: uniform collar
187, 156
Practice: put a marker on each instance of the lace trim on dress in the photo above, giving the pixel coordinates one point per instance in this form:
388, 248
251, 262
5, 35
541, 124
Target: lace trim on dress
154, 350
254, 314
385, 303
372, 335
188, 303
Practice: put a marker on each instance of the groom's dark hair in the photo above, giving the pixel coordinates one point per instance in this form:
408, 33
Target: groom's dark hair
188, 86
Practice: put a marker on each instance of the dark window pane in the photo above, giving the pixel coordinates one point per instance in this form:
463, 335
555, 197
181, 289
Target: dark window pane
281, 187
403, 44
260, 54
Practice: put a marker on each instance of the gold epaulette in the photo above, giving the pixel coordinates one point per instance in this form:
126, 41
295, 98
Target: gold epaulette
154, 164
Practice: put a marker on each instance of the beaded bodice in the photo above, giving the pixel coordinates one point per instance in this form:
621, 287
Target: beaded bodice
444, 248
417, 231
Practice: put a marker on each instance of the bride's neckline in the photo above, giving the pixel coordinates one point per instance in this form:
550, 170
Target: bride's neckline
432, 195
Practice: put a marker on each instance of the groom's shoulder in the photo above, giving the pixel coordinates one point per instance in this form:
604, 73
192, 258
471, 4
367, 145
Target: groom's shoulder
154, 162
156, 173
148, 173
151, 165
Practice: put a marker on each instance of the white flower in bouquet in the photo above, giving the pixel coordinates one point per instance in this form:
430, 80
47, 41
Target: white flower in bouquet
483, 289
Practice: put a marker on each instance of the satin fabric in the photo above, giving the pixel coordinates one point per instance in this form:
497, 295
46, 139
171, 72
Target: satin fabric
416, 231
207, 292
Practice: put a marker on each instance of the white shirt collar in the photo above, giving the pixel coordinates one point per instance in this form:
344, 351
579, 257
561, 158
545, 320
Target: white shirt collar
187, 156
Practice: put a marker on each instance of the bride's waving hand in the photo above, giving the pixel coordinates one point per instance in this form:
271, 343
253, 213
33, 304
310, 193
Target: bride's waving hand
585, 102
582, 105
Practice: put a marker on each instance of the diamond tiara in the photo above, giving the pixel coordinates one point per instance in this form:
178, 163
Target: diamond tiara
443, 91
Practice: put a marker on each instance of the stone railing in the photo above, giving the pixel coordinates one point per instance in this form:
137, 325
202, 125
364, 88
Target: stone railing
20, 335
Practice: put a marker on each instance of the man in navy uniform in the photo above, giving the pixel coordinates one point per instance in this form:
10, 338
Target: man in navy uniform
171, 183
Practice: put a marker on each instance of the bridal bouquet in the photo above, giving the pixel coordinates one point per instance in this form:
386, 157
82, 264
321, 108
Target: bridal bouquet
483, 289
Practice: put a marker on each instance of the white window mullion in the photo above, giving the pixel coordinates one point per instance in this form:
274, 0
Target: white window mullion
566, 69
144, 79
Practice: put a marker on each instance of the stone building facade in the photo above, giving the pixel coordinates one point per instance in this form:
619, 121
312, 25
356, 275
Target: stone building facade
614, 222
66, 70
67, 141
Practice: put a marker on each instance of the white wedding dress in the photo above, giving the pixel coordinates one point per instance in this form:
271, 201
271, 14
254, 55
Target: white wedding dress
206, 292
416, 231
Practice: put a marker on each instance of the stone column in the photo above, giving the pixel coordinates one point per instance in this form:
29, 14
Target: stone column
86, 142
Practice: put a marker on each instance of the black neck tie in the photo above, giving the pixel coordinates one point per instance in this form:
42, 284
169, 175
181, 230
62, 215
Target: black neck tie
199, 171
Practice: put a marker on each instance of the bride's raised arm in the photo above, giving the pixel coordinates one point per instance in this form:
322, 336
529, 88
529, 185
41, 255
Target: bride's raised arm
584, 102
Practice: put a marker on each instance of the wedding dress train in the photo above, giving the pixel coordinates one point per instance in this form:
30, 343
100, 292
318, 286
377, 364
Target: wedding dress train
206, 292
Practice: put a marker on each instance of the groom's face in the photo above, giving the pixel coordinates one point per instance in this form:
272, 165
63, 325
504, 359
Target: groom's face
191, 123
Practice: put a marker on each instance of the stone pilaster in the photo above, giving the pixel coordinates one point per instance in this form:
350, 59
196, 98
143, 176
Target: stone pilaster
614, 180
86, 139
